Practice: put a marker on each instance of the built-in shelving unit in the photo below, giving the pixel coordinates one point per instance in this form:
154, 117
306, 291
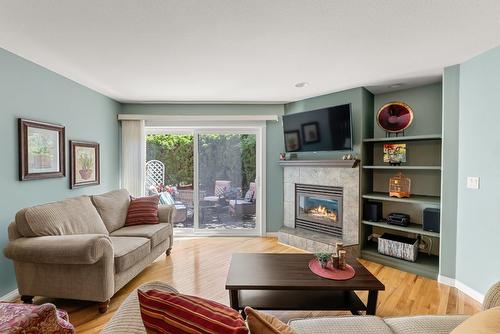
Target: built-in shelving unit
403, 138
412, 228
423, 167
404, 167
426, 265
415, 199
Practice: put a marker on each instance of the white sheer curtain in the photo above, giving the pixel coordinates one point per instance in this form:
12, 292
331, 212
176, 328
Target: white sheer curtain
133, 156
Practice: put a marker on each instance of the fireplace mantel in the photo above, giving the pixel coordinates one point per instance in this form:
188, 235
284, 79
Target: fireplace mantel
319, 163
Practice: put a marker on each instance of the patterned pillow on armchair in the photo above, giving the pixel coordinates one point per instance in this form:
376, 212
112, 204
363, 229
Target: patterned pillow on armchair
23, 318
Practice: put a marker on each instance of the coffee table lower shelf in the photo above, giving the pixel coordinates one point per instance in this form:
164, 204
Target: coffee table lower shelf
279, 300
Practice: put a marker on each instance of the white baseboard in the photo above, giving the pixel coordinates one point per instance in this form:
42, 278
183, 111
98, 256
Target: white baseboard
11, 296
446, 280
469, 291
272, 234
462, 287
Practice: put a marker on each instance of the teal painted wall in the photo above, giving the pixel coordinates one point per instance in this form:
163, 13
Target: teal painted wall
361, 104
426, 102
478, 244
449, 178
30, 91
275, 145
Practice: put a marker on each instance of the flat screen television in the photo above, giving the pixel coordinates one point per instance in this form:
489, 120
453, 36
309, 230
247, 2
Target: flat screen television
327, 129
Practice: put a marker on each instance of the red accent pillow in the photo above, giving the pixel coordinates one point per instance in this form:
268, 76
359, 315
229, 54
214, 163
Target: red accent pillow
172, 313
143, 210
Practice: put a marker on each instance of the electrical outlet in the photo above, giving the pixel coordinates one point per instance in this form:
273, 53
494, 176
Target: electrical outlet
473, 182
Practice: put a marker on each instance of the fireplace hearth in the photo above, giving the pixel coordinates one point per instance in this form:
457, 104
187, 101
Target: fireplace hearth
319, 208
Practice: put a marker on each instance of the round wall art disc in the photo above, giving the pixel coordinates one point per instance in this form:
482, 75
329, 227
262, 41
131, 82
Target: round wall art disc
395, 116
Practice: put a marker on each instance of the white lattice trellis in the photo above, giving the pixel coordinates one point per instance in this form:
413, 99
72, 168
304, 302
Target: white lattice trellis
155, 173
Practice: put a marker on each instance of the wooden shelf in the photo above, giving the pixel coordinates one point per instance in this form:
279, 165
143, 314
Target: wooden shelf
417, 199
412, 228
404, 167
319, 163
403, 138
426, 265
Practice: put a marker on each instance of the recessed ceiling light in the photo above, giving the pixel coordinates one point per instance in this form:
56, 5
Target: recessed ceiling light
302, 84
396, 85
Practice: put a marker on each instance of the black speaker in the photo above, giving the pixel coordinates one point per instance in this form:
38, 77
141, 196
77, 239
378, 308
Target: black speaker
372, 211
431, 220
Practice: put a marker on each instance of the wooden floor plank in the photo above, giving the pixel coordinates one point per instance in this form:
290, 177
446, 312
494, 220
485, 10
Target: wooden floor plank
199, 266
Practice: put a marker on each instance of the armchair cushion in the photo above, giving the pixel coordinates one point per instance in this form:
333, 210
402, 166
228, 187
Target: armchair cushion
71, 216
60, 249
157, 233
112, 206
129, 251
492, 297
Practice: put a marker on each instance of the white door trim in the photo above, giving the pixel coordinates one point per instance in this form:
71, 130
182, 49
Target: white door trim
252, 127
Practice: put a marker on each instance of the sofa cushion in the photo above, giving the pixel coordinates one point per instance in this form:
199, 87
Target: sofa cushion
128, 251
71, 216
341, 325
157, 233
436, 324
484, 322
264, 323
112, 206
127, 319
167, 312
143, 210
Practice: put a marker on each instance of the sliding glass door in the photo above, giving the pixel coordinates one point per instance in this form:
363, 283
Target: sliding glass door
226, 175
211, 176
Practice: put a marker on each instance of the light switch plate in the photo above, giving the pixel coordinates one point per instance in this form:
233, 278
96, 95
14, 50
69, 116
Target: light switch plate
473, 182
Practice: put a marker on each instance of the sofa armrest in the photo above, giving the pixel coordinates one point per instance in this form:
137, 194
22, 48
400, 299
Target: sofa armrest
60, 249
165, 212
492, 297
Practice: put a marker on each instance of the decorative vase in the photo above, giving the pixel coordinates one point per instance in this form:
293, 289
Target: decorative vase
323, 264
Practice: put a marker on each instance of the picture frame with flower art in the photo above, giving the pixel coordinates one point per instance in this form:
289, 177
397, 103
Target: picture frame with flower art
84, 164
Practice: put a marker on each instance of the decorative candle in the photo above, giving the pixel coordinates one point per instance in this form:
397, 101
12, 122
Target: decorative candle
342, 259
339, 246
335, 261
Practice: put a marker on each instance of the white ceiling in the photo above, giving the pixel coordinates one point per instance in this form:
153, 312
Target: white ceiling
246, 50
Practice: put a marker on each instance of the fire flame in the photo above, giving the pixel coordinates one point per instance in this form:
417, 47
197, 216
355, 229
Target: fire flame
322, 212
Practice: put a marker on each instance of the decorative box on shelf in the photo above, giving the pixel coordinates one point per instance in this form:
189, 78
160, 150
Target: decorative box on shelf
398, 246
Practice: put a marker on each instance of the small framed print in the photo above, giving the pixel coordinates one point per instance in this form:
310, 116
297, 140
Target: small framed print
292, 141
85, 164
311, 132
41, 150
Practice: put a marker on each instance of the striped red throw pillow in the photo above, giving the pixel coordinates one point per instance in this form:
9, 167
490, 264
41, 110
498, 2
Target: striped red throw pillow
171, 313
143, 210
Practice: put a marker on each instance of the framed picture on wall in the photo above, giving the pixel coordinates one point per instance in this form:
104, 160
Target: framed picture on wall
41, 150
84, 164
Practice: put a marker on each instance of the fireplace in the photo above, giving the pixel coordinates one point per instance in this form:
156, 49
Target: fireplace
319, 208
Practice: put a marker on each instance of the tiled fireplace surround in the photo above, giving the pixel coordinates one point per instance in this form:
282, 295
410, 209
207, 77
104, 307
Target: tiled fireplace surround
348, 179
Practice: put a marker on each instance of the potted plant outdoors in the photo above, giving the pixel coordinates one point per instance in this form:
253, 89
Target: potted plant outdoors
86, 163
323, 258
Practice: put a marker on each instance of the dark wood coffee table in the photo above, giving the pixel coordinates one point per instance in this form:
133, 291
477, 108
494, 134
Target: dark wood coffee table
284, 282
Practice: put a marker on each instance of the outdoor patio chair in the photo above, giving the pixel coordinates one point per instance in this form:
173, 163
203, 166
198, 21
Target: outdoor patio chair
244, 206
221, 187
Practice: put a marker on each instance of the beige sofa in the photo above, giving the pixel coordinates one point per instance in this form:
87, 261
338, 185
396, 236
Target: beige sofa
127, 319
79, 248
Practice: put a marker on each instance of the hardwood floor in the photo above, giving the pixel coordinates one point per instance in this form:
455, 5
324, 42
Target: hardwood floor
198, 266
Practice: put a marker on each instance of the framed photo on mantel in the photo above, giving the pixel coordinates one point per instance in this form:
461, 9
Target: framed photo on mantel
41, 150
85, 164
